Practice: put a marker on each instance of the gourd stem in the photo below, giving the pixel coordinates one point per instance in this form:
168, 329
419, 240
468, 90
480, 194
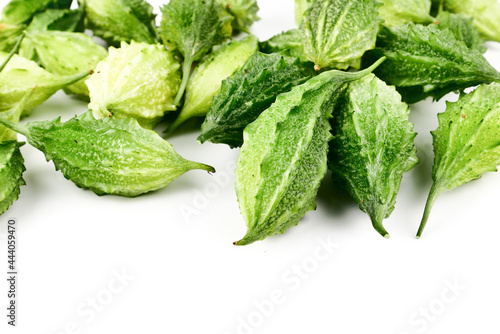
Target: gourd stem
186, 72
377, 217
15, 127
433, 195
14, 50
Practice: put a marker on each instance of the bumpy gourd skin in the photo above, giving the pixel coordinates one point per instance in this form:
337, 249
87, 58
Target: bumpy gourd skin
397, 12
11, 159
13, 115
11, 172
284, 156
289, 41
248, 92
58, 20
486, 15
108, 156
206, 80
300, 7
424, 61
243, 11
66, 53
22, 11
9, 33
193, 27
121, 20
336, 33
21, 75
466, 143
372, 146
462, 28
49, 20
124, 84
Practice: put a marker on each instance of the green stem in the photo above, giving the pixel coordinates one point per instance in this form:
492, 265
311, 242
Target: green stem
178, 121
15, 127
71, 79
186, 72
199, 165
366, 71
377, 219
433, 195
187, 112
14, 50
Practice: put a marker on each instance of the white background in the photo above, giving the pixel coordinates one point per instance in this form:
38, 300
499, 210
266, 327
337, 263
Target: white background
183, 274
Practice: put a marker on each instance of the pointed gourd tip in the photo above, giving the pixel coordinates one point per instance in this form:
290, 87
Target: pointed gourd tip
434, 193
209, 169
241, 242
381, 230
419, 233
244, 241
201, 138
377, 218
192, 165
205, 136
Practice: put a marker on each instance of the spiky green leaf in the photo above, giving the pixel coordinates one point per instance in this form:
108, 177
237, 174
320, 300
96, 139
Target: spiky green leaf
193, 27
